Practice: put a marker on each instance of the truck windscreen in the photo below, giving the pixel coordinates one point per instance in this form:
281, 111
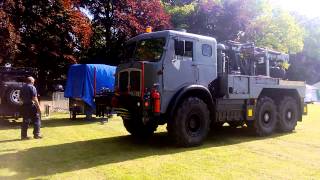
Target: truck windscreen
145, 50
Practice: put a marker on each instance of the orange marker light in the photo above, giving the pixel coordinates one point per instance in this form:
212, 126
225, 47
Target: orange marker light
148, 29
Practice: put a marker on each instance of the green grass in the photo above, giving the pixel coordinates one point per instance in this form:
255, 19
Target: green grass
91, 150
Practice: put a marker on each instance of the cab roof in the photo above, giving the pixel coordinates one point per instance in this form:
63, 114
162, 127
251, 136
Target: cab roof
167, 33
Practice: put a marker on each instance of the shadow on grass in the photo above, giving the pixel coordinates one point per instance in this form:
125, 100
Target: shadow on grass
6, 124
49, 160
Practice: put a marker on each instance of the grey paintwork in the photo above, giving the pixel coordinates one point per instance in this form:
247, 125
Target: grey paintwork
250, 87
178, 72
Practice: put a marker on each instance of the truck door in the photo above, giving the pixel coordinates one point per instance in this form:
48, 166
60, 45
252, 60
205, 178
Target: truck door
206, 61
178, 68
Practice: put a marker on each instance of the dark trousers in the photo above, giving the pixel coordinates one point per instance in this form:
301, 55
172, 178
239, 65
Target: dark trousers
30, 115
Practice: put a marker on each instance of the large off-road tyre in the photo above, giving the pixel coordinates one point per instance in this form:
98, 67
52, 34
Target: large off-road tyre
265, 117
13, 96
288, 114
137, 128
191, 123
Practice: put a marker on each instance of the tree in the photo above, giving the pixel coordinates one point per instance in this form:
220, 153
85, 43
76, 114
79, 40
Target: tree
46, 34
278, 30
241, 20
180, 14
9, 37
225, 20
312, 38
50, 31
115, 22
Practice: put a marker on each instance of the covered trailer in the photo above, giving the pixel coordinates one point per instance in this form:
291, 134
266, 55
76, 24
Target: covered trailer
83, 83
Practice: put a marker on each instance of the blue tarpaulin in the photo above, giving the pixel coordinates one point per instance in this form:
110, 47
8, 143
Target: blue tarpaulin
80, 81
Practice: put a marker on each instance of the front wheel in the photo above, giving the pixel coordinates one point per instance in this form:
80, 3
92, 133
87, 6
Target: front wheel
191, 123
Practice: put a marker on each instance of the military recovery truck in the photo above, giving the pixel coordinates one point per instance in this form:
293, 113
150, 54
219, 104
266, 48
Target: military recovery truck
192, 84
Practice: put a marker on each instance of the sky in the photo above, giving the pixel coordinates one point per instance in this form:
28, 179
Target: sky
310, 8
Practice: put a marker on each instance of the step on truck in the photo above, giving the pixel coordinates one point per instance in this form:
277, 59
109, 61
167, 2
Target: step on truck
193, 84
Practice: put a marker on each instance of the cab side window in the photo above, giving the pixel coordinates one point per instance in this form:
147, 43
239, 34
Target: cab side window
188, 49
183, 48
206, 50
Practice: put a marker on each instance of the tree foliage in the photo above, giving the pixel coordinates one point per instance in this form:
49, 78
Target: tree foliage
115, 22
312, 37
9, 37
278, 30
241, 20
49, 31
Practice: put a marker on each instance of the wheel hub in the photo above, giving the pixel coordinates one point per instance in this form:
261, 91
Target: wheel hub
193, 124
15, 96
289, 115
266, 117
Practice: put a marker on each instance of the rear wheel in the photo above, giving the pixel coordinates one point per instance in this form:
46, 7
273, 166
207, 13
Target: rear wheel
265, 117
191, 123
288, 114
13, 96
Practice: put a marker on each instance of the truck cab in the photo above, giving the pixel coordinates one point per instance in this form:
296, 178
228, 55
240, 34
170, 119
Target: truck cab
166, 61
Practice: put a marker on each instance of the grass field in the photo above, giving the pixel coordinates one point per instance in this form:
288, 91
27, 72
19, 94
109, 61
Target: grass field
91, 150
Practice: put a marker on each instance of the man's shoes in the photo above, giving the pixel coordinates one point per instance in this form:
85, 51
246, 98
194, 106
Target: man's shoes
37, 137
25, 138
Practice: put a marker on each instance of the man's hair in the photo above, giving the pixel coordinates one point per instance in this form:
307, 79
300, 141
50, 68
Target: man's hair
30, 79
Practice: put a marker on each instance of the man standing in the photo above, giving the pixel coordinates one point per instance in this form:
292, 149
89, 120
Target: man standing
30, 109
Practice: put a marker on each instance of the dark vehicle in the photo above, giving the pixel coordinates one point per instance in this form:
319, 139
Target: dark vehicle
192, 84
11, 81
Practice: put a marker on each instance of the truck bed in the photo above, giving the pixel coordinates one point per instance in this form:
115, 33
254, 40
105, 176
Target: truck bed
247, 87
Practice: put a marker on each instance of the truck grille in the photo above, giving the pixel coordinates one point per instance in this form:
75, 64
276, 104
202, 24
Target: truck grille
123, 81
135, 81
131, 79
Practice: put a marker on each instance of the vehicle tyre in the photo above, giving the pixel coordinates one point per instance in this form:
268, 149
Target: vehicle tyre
191, 123
137, 128
288, 114
13, 96
265, 117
